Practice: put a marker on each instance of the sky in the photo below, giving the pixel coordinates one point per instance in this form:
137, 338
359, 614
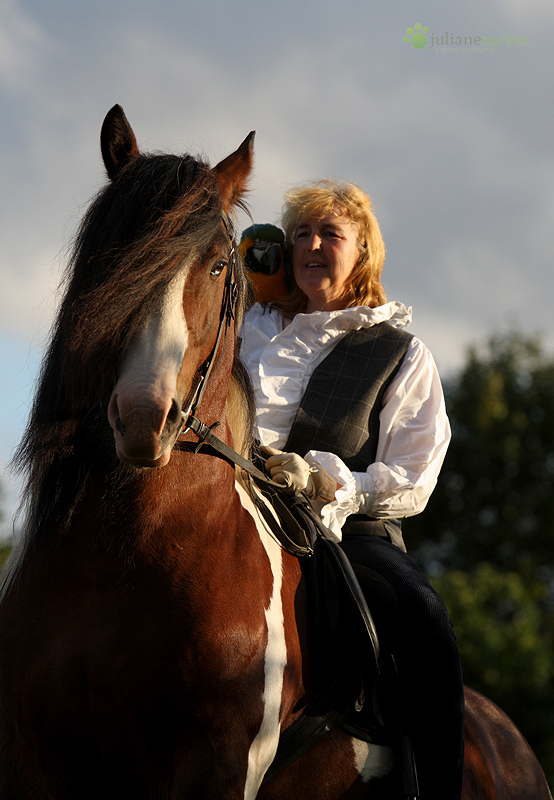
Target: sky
453, 140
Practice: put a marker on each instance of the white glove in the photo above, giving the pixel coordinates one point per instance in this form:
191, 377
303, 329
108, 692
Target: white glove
296, 474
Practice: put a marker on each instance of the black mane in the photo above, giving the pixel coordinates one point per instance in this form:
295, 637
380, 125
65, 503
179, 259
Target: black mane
159, 210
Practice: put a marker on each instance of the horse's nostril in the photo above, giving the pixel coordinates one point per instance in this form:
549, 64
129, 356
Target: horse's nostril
119, 426
174, 415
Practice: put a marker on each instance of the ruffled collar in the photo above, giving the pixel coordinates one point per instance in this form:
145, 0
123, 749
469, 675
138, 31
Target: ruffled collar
348, 319
280, 357
324, 324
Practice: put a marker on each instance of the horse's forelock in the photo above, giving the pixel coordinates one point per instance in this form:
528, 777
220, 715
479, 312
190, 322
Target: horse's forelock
129, 269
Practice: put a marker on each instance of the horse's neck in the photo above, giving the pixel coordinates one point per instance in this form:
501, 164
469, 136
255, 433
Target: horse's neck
193, 489
184, 496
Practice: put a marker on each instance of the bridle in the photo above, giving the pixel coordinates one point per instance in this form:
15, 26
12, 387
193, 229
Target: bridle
189, 420
205, 434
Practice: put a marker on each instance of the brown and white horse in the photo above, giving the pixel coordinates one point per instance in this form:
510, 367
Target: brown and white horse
151, 629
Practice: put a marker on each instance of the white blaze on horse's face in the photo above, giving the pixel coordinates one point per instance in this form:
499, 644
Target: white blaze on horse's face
144, 409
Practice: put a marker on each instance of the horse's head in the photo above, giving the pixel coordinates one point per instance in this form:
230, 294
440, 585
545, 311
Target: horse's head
176, 331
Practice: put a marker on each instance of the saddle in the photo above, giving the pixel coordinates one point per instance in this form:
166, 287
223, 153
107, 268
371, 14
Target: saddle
344, 649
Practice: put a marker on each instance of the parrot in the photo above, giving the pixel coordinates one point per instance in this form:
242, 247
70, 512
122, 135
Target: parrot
263, 252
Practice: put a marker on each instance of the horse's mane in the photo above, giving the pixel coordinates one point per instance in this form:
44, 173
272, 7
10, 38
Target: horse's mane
138, 230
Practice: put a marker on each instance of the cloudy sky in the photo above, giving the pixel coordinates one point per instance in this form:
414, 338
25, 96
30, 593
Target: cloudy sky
453, 143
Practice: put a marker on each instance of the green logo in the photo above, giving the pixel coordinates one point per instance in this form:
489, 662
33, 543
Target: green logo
416, 36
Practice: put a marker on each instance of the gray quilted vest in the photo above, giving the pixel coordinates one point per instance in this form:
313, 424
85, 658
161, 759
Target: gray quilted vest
339, 412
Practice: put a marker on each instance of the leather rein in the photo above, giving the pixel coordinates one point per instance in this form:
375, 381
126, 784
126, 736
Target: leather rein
291, 521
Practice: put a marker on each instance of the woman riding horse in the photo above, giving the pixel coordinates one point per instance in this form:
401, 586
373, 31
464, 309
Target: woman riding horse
152, 632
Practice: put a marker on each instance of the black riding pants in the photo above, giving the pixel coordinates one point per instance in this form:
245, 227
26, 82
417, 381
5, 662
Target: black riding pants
413, 623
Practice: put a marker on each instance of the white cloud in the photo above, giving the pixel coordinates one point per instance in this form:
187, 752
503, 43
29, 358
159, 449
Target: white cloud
531, 14
22, 42
28, 297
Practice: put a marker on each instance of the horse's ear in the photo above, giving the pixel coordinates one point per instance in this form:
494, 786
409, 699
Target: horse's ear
232, 173
117, 141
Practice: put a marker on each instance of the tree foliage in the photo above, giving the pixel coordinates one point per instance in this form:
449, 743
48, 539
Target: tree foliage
486, 536
495, 500
506, 642
502, 629
5, 552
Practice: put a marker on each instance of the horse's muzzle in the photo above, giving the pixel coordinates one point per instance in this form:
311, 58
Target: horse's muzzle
144, 434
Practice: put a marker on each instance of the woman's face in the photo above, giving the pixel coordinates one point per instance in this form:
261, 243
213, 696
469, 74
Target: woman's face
324, 253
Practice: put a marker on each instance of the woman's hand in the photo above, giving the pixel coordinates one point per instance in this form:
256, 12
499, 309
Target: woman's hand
289, 469
296, 474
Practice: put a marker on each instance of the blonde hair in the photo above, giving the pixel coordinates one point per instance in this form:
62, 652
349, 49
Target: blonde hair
323, 199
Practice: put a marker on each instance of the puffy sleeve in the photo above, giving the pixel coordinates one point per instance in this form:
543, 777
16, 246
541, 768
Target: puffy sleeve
413, 438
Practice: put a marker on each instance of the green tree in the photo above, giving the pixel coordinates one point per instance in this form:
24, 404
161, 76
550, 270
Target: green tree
5, 551
485, 538
506, 642
495, 500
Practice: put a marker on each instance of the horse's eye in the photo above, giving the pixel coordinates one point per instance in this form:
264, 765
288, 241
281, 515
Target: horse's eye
217, 269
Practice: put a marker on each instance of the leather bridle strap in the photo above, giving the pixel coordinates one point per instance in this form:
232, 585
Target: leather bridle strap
226, 315
190, 421
299, 544
206, 436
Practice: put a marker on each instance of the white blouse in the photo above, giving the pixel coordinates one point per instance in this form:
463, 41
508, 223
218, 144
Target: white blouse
414, 430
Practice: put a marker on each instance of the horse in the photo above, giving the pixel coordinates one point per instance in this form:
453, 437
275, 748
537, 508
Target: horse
152, 630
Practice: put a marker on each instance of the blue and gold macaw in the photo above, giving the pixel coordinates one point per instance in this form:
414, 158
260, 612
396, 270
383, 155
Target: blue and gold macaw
262, 248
